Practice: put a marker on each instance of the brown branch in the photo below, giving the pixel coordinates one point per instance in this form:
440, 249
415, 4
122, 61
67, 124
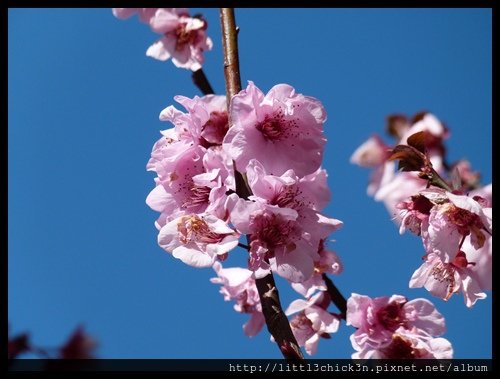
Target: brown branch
276, 320
201, 81
336, 297
231, 60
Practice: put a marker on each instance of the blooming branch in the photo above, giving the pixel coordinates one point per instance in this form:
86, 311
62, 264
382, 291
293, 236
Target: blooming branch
276, 320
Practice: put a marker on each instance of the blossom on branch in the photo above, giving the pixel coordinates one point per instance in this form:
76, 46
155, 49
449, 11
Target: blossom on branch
441, 203
283, 130
239, 284
184, 37
395, 328
312, 321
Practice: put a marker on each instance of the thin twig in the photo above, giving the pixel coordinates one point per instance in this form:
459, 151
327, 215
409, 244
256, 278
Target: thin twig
200, 80
337, 298
276, 320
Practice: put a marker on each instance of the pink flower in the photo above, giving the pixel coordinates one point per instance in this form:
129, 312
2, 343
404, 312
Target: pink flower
198, 240
453, 218
176, 191
407, 344
445, 279
398, 188
482, 262
395, 328
392, 187
483, 195
305, 195
283, 130
194, 173
468, 178
377, 319
238, 284
288, 190
372, 153
277, 240
311, 322
184, 41
328, 262
414, 212
206, 122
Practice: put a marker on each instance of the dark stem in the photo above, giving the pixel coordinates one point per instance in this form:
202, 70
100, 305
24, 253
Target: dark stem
437, 181
337, 298
276, 320
201, 81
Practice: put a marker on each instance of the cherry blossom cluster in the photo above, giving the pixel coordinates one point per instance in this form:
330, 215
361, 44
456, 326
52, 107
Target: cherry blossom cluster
443, 204
395, 328
184, 38
276, 141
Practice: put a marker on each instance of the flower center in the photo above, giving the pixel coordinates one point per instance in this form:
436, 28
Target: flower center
194, 229
400, 348
445, 273
272, 128
302, 323
390, 316
286, 198
463, 219
271, 231
184, 37
198, 196
215, 129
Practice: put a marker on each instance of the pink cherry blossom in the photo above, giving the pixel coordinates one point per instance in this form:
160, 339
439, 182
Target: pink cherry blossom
184, 38
193, 171
483, 195
206, 122
198, 240
377, 319
328, 262
453, 218
275, 239
445, 279
481, 258
372, 153
398, 188
238, 284
407, 344
311, 322
393, 187
288, 190
176, 191
283, 130
468, 178
278, 241
304, 195
414, 212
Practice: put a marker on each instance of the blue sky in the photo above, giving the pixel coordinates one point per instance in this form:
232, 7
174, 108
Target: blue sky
83, 114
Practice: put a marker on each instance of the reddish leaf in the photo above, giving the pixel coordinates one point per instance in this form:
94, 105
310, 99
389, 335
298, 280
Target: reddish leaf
417, 141
410, 159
